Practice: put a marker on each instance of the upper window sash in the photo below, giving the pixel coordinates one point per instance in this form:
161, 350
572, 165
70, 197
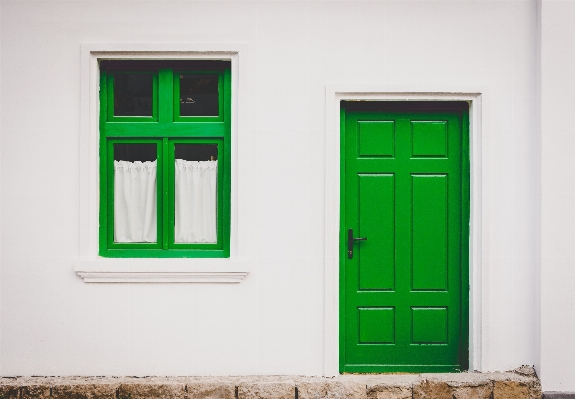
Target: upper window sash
119, 82
180, 78
166, 100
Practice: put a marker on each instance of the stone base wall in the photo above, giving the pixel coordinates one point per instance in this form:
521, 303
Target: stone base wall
521, 383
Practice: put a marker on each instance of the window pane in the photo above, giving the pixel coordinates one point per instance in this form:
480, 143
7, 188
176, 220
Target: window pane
199, 95
135, 202
133, 95
196, 193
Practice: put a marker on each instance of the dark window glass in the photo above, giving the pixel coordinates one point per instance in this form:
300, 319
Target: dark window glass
197, 152
199, 95
135, 152
133, 95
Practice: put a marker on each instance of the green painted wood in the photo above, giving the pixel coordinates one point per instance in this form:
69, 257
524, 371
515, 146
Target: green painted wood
377, 266
141, 129
164, 128
404, 295
429, 234
376, 325
166, 193
376, 138
165, 93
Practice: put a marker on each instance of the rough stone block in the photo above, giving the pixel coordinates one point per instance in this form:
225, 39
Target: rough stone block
516, 383
383, 391
315, 390
355, 390
391, 386
84, 391
9, 391
211, 389
331, 389
535, 391
36, 391
427, 389
521, 383
266, 390
453, 386
510, 390
151, 390
525, 370
473, 392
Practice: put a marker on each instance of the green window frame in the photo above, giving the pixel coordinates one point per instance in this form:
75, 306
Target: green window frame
165, 128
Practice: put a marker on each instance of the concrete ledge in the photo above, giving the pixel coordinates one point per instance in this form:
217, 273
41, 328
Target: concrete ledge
521, 383
558, 395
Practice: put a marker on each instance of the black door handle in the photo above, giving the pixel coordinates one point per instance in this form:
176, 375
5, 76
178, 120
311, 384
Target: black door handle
350, 240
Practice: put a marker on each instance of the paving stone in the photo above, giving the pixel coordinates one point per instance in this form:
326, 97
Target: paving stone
266, 389
151, 390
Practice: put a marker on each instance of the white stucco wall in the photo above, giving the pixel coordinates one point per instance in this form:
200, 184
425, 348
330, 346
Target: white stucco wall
52, 323
558, 197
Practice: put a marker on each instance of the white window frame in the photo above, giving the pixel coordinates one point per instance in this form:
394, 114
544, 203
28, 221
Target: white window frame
336, 93
95, 269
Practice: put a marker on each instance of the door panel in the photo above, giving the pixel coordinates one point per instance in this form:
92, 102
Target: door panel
429, 233
376, 212
405, 187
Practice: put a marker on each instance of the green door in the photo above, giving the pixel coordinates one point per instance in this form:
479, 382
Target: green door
404, 237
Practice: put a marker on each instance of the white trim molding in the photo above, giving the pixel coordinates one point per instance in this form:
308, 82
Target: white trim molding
92, 268
147, 271
374, 92
158, 277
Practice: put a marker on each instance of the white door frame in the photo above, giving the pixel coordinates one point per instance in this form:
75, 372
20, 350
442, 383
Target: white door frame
366, 92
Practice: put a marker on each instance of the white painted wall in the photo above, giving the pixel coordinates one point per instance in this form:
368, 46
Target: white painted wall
272, 323
558, 196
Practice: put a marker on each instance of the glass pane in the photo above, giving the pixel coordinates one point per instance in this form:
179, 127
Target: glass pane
133, 95
135, 202
199, 95
196, 193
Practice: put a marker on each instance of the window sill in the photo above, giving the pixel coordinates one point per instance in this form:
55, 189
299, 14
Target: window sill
101, 270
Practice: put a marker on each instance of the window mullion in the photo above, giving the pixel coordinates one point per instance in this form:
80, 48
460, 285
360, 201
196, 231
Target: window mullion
165, 95
166, 193
166, 115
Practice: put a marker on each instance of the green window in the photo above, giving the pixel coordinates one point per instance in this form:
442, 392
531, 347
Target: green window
165, 159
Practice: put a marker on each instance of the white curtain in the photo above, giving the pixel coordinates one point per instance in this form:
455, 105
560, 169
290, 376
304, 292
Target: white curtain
196, 201
135, 214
